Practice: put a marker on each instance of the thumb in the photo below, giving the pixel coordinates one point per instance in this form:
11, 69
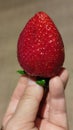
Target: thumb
29, 104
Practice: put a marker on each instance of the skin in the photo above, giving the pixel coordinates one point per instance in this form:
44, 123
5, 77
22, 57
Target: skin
31, 108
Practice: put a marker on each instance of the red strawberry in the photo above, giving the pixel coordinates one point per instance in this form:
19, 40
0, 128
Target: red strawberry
40, 47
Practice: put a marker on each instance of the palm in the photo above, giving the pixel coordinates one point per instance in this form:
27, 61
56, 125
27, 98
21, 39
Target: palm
49, 126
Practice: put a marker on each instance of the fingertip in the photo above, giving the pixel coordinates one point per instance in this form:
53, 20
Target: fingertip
22, 79
20, 88
34, 89
64, 75
56, 87
55, 81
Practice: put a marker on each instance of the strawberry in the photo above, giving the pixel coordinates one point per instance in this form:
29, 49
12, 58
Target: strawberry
40, 48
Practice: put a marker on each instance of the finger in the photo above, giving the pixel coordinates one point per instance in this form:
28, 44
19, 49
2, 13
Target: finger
57, 109
43, 113
21, 86
28, 106
18, 92
64, 76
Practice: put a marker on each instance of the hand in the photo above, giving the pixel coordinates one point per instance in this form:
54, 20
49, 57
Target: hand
28, 110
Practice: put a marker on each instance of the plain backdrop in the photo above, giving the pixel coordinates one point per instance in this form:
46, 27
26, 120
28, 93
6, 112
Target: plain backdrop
14, 14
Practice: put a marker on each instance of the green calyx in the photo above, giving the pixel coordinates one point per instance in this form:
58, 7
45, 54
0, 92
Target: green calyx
21, 72
42, 81
39, 80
